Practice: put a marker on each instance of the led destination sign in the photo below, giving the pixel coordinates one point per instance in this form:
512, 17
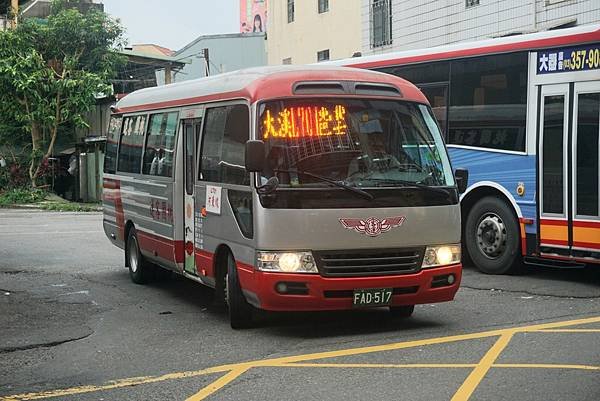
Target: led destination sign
569, 59
304, 122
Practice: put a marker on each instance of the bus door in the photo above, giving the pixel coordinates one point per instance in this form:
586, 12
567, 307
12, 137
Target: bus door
568, 129
191, 133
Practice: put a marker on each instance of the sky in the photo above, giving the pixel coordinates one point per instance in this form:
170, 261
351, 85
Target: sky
174, 23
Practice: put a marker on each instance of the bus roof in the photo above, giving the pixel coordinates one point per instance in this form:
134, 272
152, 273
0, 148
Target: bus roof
254, 84
540, 40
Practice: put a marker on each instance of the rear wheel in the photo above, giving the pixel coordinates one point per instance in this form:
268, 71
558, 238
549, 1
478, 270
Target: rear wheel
402, 311
138, 267
240, 311
492, 237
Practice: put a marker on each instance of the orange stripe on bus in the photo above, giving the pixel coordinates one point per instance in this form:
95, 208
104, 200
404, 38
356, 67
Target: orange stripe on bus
552, 232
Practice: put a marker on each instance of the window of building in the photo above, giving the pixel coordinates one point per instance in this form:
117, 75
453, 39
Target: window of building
226, 130
290, 11
488, 102
323, 55
160, 143
323, 6
132, 143
471, 3
381, 23
287, 61
112, 144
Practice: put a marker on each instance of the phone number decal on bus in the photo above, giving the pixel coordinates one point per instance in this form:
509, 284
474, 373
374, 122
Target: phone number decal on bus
570, 59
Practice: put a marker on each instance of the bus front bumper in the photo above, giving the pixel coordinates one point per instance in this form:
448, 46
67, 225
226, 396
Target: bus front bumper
312, 292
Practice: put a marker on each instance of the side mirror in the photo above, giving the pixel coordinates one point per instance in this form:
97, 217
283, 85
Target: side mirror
462, 179
255, 156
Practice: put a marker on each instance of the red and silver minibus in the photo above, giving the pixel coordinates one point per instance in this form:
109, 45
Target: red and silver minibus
287, 189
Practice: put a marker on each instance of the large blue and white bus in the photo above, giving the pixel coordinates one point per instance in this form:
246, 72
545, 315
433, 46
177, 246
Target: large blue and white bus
522, 113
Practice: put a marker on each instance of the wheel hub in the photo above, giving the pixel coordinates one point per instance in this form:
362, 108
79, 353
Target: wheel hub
491, 235
133, 257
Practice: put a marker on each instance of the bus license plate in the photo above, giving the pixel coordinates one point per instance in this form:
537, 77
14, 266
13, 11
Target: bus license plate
372, 297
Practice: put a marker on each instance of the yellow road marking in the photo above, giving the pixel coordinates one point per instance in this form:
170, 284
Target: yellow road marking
565, 331
374, 365
244, 366
115, 384
218, 384
472, 381
544, 366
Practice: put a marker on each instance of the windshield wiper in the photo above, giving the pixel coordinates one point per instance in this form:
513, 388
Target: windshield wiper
340, 184
405, 183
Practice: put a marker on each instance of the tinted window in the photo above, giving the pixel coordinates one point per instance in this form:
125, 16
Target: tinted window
588, 115
160, 144
554, 121
132, 142
226, 131
488, 102
112, 144
422, 73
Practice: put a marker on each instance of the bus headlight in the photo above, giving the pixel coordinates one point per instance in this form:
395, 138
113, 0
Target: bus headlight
286, 262
441, 255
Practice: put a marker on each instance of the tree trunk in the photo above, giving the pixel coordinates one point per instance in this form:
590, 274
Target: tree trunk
34, 167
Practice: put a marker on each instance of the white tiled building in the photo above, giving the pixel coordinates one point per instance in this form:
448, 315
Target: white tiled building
391, 25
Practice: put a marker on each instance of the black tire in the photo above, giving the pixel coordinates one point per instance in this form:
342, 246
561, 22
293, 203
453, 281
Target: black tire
139, 270
240, 311
492, 237
402, 311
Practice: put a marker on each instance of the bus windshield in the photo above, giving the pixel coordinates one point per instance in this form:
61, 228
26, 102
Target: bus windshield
357, 142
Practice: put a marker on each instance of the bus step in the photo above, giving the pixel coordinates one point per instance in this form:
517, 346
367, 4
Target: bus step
545, 262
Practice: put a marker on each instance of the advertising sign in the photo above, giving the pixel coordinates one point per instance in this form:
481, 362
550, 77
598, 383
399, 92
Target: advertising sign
253, 16
569, 59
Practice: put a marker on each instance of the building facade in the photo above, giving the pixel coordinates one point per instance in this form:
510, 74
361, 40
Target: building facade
394, 25
308, 31
226, 52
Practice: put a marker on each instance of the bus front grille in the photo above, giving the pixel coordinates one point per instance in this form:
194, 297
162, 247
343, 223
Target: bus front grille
380, 262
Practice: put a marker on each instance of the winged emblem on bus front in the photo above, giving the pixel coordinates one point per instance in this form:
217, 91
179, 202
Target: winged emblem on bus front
373, 226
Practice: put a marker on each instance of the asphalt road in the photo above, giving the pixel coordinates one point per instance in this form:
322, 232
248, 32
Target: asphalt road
73, 327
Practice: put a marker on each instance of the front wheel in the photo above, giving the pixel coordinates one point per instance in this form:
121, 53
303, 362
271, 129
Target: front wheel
240, 311
492, 237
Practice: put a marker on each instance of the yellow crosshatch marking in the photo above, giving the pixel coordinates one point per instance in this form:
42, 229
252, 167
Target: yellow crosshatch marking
233, 371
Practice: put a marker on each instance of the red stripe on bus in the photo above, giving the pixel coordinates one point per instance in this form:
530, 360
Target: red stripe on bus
590, 245
115, 185
158, 246
587, 224
205, 263
546, 222
501, 48
554, 242
558, 257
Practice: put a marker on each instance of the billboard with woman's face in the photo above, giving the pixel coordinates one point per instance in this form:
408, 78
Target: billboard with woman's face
253, 16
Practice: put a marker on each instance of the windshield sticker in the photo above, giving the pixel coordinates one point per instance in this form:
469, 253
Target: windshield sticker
213, 199
373, 226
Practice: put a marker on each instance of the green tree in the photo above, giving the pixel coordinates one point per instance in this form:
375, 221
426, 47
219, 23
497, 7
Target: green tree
52, 71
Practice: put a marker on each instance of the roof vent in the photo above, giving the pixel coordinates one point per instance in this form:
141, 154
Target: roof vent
376, 89
318, 88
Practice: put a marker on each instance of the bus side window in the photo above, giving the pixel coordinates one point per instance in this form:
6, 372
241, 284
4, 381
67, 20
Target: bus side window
112, 144
225, 134
158, 157
132, 142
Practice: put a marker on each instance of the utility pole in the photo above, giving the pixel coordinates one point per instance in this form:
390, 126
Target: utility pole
207, 61
14, 10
